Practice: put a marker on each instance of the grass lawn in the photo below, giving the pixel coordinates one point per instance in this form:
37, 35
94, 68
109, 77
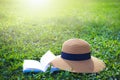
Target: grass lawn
28, 30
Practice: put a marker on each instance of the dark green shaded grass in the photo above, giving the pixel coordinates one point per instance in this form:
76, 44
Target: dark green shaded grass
24, 35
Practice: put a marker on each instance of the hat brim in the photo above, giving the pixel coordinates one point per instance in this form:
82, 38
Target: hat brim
92, 65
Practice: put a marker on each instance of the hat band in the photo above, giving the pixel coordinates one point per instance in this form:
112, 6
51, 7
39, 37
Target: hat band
76, 57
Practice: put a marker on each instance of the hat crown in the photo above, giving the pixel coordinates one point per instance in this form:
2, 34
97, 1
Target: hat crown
76, 46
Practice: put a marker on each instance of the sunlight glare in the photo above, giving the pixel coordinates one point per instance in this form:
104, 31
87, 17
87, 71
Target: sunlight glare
34, 3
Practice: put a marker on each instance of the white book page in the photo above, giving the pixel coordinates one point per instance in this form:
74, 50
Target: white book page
46, 59
42, 65
31, 64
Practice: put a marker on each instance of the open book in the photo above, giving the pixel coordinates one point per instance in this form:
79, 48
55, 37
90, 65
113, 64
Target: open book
36, 66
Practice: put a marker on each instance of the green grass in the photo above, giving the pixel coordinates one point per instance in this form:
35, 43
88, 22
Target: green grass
27, 33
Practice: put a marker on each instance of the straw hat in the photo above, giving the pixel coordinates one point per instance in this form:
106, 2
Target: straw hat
76, 57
